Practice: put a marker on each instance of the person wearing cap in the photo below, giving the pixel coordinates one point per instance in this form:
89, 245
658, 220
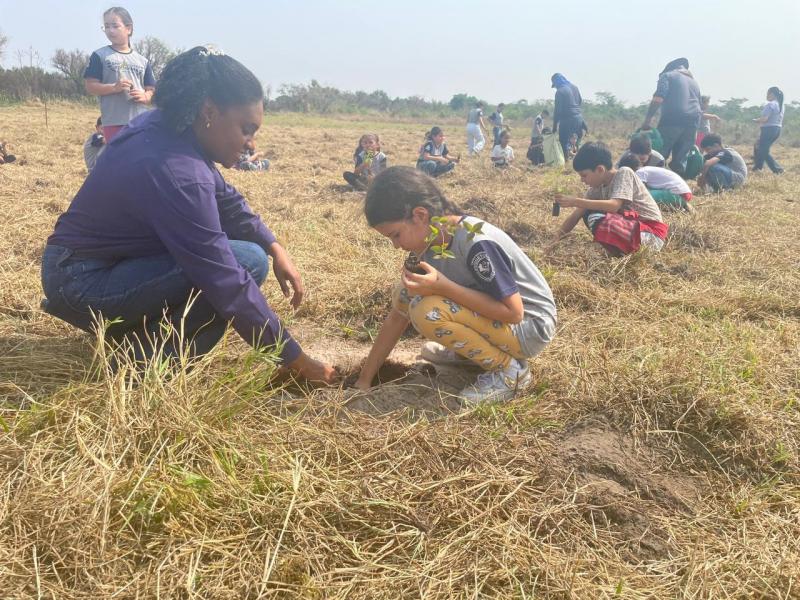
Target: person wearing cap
567, 117
678, 96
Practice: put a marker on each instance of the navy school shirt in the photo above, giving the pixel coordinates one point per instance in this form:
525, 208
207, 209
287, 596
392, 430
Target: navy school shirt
430, 148
152, 191
492, 263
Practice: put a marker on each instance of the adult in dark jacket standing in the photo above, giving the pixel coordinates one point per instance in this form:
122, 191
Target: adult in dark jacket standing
567, 117
678, 96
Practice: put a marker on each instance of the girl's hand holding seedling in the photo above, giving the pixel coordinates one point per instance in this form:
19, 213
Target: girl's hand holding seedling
430, 284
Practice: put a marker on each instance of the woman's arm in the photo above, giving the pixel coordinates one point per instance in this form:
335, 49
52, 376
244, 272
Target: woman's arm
391, 330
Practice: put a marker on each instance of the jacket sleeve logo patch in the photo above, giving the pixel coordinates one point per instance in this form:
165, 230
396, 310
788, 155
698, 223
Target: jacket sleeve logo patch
482, 266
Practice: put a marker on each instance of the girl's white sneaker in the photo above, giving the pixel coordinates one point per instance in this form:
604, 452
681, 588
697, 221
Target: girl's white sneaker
498, 386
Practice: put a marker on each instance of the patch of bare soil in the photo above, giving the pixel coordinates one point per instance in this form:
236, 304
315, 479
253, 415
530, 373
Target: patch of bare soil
622, 485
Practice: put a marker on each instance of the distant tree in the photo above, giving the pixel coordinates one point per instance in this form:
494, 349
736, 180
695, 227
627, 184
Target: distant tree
461, 102
608, 99
72, 65
157, 53
3, 44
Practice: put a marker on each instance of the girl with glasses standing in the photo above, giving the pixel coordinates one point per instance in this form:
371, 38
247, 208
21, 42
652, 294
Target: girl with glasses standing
120, 76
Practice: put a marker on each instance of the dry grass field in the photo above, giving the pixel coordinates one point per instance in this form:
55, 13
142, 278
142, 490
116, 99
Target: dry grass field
655, 456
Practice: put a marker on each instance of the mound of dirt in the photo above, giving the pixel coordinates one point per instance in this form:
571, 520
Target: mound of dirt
624, 486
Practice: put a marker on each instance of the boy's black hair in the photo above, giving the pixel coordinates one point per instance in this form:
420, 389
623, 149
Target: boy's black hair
501, 106
545, 112
630, 160
641, 144
397, 191
710, 140
200, 73
99, 122
592, 155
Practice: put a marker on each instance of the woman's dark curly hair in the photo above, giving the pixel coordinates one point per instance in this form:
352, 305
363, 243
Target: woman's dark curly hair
200, 73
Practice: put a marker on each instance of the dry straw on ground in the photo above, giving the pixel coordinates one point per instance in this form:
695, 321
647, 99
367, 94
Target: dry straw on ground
656, 456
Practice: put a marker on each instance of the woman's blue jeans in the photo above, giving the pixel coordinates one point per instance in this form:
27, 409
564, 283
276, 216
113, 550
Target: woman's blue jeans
135, 294
769, 135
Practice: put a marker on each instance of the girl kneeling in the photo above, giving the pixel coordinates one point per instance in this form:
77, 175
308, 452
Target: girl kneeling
487, 303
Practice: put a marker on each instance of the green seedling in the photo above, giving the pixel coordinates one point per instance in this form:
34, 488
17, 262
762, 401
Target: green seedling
441, 229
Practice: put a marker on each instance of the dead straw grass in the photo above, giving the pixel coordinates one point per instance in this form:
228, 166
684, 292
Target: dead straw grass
656, 456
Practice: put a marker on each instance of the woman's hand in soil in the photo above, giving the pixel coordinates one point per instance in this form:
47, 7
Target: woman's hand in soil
430, 284
313, 371
287, 275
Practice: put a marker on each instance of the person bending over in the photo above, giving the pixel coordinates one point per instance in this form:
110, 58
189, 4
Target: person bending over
155, 223
617, 209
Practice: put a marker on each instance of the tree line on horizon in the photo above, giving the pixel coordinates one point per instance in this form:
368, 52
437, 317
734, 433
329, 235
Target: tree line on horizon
30, 80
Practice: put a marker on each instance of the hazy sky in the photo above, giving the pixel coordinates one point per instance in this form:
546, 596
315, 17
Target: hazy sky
495, 50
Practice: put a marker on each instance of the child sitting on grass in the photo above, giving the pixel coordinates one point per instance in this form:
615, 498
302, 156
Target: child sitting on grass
617, 209
5, 157
502, 154
667, 188
94, 145
641, 147
251, 161
724, 168
487, 303
369, 161
434, 156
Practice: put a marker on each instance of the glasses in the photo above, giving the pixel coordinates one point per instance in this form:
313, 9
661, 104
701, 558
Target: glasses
112, 27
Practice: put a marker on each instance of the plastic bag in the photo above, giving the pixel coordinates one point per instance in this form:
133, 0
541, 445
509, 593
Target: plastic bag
553, 153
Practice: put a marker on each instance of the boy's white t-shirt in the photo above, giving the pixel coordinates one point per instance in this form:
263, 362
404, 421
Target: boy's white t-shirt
658, 178
507, 153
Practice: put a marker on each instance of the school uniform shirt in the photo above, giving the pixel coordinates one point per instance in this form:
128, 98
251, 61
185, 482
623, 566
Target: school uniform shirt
474, 115
507, 154
108, 66
377, 164
493, 264
772, 110
657, 178
626, 186
430, 148
155, 192
497, 119
734, 161
655, 160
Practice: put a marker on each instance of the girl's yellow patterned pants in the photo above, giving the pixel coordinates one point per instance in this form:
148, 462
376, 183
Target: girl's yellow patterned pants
490, 344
